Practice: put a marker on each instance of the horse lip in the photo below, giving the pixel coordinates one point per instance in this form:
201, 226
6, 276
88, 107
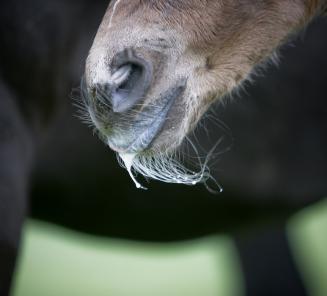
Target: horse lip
145, 136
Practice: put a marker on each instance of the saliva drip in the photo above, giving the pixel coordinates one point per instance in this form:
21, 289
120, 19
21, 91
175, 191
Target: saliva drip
128, 158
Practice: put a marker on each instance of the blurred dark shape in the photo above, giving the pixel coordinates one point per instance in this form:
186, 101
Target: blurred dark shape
276, 164
267, 262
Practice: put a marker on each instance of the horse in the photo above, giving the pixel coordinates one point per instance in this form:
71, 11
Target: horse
53, 169
156, 67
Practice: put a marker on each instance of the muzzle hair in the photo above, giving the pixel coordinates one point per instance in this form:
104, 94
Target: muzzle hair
166, 167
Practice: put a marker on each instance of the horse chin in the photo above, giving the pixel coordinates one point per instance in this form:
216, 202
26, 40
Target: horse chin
156, 158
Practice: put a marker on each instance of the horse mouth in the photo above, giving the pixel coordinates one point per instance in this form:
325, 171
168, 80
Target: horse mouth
147, 125
143, 133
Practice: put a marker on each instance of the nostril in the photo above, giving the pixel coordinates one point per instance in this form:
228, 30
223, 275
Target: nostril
121, 74
131, 81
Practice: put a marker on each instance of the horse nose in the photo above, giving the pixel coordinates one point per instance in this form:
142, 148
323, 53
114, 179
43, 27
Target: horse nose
130, 80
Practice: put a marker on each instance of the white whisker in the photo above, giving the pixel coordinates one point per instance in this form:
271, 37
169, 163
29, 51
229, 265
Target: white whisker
166, 168
113, 13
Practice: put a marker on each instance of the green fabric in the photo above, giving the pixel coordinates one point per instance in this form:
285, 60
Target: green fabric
308, 237
56, 262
